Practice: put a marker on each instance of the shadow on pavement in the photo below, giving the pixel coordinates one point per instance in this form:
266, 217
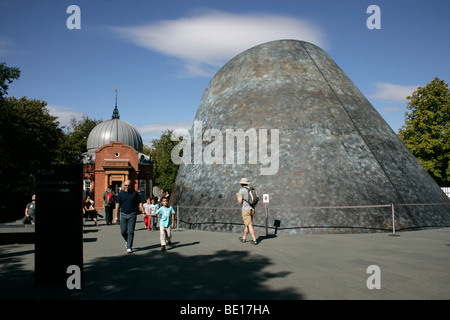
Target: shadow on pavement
169, 275
149, 274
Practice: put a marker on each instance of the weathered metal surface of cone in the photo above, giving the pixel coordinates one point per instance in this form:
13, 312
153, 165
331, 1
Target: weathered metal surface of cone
332, 147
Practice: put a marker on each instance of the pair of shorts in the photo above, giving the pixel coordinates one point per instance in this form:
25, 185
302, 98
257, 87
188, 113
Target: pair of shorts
247, 216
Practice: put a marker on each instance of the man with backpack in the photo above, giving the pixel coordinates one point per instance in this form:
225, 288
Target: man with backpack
248, 198
108, 198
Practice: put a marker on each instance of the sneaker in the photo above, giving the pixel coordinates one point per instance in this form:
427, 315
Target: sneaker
163, 248
129, 250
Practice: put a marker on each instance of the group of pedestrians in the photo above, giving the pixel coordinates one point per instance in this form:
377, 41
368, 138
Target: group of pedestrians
150, 208
130, 205
128, 201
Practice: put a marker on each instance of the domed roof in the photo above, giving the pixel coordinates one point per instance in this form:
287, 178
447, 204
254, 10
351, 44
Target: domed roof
328, 147
114, 130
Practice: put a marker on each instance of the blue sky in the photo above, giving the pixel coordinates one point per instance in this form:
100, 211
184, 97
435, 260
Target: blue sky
162, 54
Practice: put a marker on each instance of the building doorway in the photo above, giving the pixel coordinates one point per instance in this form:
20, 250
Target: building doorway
116, 187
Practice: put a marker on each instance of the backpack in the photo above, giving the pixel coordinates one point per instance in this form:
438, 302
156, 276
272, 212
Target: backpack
252, 196
110, 197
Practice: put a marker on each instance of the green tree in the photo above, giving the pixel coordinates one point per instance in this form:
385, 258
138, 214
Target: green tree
426, 131
164, 170
30, 138
7, 75
74, 142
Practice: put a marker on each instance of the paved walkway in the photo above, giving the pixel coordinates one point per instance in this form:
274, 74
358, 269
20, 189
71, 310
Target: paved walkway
215, 265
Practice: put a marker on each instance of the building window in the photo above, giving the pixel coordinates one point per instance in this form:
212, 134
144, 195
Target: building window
143, 187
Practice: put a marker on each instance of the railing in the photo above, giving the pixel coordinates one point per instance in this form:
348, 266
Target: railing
392, 215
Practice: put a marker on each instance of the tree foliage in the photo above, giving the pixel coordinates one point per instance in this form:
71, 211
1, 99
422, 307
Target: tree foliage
164, 170
30, 138
7, 75
426, 131
74, 141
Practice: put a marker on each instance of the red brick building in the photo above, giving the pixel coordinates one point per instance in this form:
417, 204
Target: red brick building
115, 155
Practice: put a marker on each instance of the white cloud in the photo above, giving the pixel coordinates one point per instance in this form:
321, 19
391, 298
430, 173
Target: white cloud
392, 92
212, 38
64, 114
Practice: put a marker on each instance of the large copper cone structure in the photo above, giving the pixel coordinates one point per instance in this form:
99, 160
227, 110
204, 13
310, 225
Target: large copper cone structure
319, 141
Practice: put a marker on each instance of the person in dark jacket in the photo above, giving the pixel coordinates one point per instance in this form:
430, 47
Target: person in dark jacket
128, 202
